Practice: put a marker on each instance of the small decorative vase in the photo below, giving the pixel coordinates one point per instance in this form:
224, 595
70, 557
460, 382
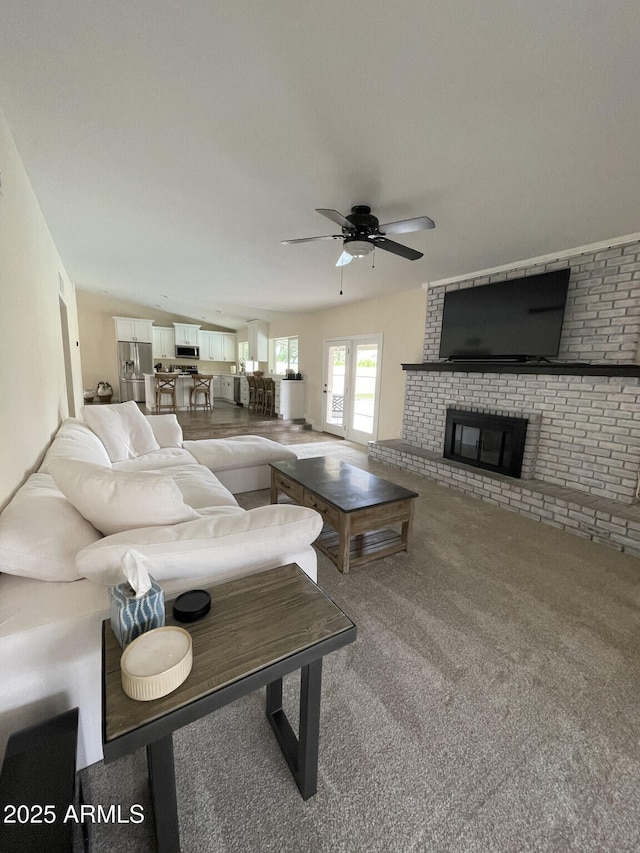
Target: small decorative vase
104, 392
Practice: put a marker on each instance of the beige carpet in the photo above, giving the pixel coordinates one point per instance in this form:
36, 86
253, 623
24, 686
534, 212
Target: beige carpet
490, 703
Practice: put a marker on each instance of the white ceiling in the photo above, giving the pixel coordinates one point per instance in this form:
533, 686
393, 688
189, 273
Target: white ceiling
173, 146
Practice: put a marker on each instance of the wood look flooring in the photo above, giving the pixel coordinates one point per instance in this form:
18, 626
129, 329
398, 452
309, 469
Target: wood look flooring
226, 419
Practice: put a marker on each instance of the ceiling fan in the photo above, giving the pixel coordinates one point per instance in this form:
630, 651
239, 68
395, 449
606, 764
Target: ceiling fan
362, 233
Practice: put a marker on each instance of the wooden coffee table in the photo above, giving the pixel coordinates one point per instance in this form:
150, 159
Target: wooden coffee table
356, 506
259, 628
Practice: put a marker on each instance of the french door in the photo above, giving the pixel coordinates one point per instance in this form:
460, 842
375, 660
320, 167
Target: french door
352, 387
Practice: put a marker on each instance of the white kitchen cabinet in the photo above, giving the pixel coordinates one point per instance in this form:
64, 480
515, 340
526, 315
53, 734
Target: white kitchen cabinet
207, 346
229, 347
164, 342
290, 402
217, 346
187, 335
216, 386
133, 329
258, 333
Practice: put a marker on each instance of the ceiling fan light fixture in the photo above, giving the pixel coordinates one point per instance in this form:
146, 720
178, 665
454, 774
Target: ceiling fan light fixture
358, 248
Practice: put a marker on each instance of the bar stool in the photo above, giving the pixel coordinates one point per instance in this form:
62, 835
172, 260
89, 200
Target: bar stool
269, 400
251, 382
259, 406
201, 386
166, 385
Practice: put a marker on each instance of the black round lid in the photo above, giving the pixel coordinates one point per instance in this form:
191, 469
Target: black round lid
191, 605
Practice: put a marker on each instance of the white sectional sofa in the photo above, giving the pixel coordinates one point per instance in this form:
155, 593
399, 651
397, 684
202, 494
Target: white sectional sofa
113, 481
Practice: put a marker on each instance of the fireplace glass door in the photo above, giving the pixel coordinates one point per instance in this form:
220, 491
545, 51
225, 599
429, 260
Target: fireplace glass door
466, 441
487, 441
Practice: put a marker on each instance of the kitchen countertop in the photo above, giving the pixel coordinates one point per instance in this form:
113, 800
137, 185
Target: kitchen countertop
169, 373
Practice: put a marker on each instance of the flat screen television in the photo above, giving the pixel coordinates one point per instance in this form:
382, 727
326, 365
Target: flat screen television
518, 319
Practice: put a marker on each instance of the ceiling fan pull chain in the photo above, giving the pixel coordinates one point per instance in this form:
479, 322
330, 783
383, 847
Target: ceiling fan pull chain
373, 257
341, 274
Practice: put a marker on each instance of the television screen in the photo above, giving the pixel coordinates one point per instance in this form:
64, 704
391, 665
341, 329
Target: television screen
519, 318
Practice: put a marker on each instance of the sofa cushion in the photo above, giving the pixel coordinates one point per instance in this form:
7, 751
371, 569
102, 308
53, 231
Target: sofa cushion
120, 500
74, 440
122, 428
41, 532
199, 487
227, 539
166, 430
220, 454
165, 457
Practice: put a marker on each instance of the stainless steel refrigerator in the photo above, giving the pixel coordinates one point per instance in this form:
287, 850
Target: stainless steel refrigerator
134, 360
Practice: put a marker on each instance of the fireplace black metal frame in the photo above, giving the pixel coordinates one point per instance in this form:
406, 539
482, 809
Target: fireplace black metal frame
515, 427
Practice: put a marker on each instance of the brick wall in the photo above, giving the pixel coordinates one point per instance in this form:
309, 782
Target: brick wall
587, 428
602, 316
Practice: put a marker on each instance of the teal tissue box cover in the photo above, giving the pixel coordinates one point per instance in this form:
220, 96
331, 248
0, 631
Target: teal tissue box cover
131, 616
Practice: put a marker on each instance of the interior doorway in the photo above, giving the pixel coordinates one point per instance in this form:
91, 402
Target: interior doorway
351, 387
66, 349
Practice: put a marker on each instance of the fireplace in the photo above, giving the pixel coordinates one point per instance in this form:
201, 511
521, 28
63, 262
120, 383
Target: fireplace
493, 442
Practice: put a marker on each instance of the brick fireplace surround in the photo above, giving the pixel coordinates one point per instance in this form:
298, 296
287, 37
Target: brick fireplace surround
583, 440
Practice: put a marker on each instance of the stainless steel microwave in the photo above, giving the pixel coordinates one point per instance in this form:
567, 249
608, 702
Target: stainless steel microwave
183, 351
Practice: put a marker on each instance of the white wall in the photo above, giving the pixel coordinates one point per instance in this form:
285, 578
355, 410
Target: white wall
32, 378
98, 344
400, 317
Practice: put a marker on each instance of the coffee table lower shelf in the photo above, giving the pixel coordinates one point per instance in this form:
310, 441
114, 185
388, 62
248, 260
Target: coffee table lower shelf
362, 548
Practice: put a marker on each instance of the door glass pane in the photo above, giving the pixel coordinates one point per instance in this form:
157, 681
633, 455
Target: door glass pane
365, 387
337, 357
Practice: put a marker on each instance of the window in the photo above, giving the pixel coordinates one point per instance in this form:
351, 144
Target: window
246, 366
284, 354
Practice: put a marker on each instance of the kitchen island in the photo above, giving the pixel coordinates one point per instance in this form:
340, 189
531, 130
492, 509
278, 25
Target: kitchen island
183, 389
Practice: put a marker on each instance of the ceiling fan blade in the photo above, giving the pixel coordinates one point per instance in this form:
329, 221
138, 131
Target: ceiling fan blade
397, 249
420, 223
344, 259
311, 239
336, 217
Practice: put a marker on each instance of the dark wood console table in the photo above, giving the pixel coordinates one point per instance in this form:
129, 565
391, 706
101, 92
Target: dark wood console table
259, 629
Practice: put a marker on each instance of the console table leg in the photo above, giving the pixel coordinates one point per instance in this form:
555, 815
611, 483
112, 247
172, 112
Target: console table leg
162, 782
310, 690
300, 753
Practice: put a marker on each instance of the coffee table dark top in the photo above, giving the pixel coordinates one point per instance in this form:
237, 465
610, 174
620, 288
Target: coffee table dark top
346, 487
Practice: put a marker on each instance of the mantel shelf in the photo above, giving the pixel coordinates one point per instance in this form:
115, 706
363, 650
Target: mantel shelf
575, 368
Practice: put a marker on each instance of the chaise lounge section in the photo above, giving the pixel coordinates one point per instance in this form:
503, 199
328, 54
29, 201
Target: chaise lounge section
114, 481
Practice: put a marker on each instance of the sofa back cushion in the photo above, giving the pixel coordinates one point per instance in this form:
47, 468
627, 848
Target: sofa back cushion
122, 428
166, 430
41, 533
74, 440
120, 500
